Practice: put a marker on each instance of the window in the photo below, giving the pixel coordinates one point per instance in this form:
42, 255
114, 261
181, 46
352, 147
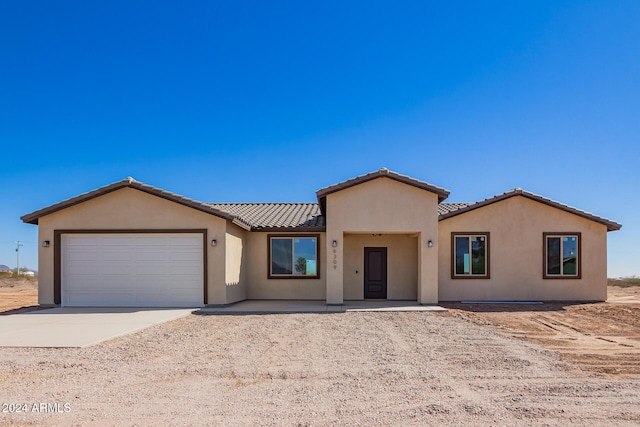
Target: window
294, 256
470, 255
562, 255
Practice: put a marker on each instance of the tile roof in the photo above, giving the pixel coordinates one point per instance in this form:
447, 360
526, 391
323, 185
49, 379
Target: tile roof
276, 216
444, 208
301, 216
611, 225
298, 216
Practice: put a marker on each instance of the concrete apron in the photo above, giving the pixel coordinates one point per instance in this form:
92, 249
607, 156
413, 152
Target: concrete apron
284, 306
79, 327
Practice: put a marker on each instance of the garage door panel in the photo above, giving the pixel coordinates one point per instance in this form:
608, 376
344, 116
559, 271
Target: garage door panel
83, 255
184, 256
83, 283
154, 242
90, 241
151, 269
149, 256
115, 282
132, 270
119, 255
109, 298
85, 269
115, 240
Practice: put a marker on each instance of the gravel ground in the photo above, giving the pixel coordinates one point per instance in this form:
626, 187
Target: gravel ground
311, 369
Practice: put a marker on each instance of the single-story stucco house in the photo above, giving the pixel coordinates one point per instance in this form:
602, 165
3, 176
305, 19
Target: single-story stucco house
382, 235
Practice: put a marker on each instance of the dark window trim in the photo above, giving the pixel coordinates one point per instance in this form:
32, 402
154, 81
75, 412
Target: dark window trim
455, 234
289, 277
544, 255
57, 252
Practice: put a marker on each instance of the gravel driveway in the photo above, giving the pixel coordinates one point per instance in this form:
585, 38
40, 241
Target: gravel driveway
310, 369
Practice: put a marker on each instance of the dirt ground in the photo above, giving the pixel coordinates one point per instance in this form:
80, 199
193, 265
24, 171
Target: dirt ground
602, 338
452, 368
18, 295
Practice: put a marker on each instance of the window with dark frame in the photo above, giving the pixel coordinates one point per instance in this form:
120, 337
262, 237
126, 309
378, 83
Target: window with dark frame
294, 256
470, 255
562, 257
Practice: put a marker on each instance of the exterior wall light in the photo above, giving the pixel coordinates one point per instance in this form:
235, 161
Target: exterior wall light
45, 243
430, 243
214, 243
335, 243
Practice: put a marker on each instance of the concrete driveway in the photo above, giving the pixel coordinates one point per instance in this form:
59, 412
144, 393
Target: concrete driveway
79, 327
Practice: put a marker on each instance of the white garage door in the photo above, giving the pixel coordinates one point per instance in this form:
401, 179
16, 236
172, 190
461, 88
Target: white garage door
132, 270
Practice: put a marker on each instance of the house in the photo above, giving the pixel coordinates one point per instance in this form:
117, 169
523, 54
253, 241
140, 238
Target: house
382, 235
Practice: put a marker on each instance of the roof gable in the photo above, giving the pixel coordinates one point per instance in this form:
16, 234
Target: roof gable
381, 173
304, 216
32, 218
611, 225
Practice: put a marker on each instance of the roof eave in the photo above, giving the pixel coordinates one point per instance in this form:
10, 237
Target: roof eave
308, 229
611, 225
33, 217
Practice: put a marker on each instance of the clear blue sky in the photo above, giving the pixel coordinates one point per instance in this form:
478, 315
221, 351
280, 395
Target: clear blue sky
270, 101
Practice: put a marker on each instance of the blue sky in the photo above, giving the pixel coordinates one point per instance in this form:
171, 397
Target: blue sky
270, 101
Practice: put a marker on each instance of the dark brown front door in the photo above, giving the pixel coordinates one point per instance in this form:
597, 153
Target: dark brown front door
375, 273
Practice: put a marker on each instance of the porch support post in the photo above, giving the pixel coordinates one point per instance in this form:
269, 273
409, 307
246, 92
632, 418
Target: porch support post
427, 269
335, 268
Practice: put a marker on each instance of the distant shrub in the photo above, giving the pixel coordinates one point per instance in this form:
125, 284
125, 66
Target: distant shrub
625, 282
634, 280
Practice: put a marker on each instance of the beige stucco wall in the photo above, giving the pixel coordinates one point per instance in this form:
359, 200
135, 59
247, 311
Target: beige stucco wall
516, 254
259, 286
383, 206
402, 265
235, 263
125, 209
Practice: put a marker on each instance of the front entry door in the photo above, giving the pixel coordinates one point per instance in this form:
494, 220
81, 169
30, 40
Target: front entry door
375, 273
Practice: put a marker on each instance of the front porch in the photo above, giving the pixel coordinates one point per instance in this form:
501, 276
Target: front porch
288, 306
381, 266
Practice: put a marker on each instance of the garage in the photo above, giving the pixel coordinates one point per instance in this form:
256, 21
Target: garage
163, 269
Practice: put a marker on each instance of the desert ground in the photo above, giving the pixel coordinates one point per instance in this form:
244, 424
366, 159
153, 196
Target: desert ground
601, 338
18, 294
554, 364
